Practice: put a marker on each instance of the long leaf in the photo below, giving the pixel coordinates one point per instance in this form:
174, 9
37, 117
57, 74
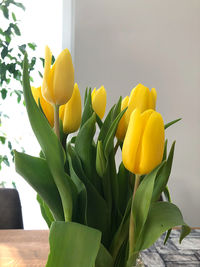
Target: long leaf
171, 123
36, 172
73, 245
46, 213
104, 259
142, 201
163, 176
162, 216
88, 111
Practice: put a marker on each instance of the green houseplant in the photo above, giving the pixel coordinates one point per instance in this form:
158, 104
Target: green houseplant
99, 214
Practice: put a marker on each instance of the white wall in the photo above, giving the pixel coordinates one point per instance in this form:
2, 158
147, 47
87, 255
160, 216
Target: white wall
157, 43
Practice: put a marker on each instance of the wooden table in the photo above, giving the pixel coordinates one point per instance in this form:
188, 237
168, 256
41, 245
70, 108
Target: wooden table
23, 248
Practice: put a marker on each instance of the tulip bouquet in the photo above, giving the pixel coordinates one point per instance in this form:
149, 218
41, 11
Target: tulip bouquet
99, 214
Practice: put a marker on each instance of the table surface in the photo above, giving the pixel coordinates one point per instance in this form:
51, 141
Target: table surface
29, 248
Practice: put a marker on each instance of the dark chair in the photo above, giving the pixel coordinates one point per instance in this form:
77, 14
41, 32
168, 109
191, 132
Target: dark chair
10, 209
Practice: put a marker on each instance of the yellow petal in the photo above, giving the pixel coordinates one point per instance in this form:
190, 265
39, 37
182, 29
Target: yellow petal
152, 146
72, 112
122, 126
99, 101
152, 99
36, 92
93, 93
46, 91
46, 106
139, 98
63, 78
143, 120
132, 141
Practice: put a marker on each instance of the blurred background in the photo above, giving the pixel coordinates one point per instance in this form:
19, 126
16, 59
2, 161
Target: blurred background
119, 44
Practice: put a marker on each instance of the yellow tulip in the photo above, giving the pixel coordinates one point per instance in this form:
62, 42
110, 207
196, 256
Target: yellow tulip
70, 113
144, 142
99, 101
58, 80
142, 98
46, 107
122, 126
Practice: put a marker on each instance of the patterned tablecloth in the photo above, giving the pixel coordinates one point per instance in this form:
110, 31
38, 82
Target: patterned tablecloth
174, 254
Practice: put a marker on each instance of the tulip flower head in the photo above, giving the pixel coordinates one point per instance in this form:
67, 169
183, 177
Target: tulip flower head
58, 80
46, 106
70, 113
122, 126
144, 142
99, 101
142, 98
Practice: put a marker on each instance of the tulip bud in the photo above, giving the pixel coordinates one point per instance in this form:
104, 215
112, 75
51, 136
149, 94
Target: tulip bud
122, 126
70, 113
58, 80
142, 98
99, 101
144, 142
46, 107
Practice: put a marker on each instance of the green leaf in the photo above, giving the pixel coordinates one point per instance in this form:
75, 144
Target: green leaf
106, 125
123, 178
16, 30
2, 139
165, 150
46, 213
14, 17
6, 161
142, 201
5, 11
97, 211
84, 147
185, 230
109, 139
88, 111
163, 176
73, 245
113, 113
51, 146
4, 52
22, 48
171, 123
100, 160
162, 216
121, 234
81, 208
104, 259
36, 172
167, 194
32, 45
20, 5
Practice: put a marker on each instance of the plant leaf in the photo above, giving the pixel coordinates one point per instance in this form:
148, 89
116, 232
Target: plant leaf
171, 123
88, 111
104, 259
73, 245
162, 216
142, 201
36, 172
46, 213
163, 176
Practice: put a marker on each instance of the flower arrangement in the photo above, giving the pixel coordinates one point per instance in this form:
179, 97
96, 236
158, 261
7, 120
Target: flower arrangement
99, 214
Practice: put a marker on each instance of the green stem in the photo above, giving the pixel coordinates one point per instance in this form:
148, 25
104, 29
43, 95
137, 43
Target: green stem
131, 226
56, 121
